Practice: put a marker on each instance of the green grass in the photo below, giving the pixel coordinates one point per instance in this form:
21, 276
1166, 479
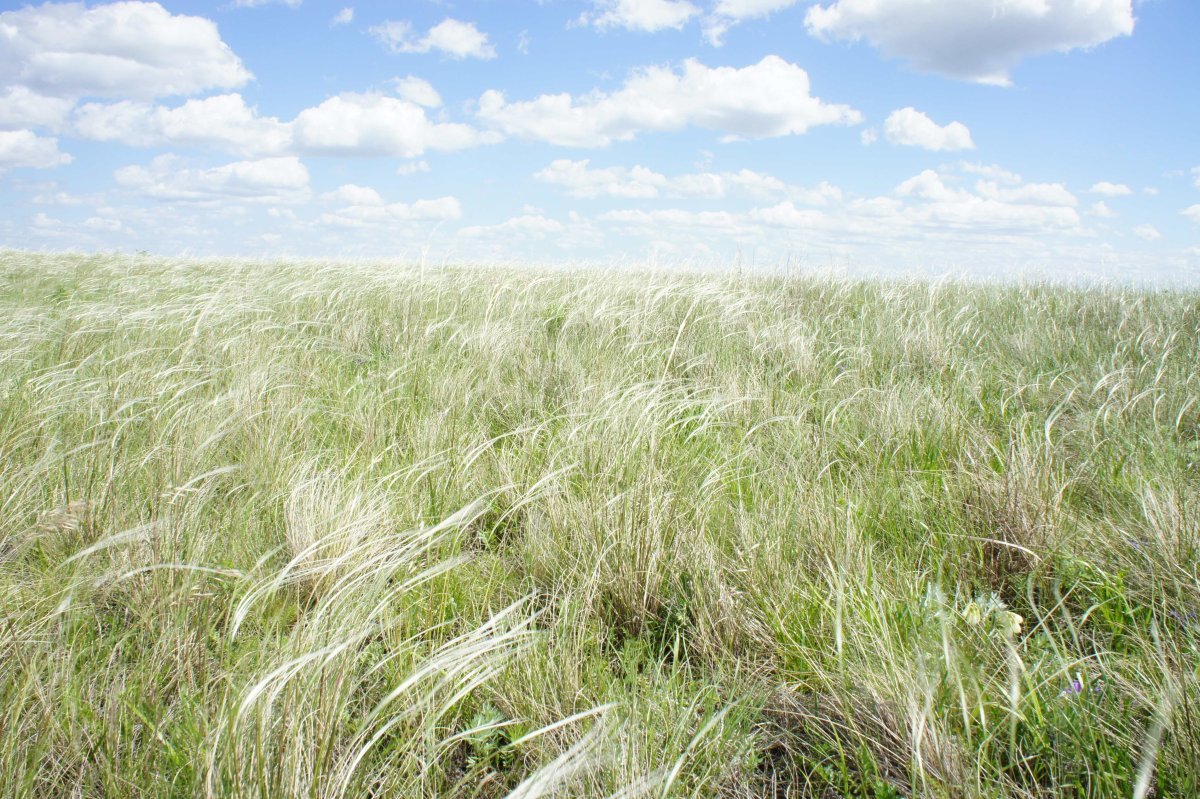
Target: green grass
325, 530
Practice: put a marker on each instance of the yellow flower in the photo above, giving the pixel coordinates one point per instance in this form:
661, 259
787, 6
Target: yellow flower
973, 613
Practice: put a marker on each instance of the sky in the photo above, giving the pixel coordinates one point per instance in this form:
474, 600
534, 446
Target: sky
992, 138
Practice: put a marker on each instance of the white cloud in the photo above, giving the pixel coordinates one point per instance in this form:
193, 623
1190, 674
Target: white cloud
417, 90
376, 125
911, 128
350, 194
710, 222
131, 50
412, 168
272, 180
1028, 194
977, 40
639, 182
1028, 209
361, 216
929, 186
992, 172
102, 224
343, 17
581, 181
352, 124
534, 225
786, 214
1147, 232
640, 15
451, 36
982, 214
1101, 210
727, 13
24, 148
44, 222
770, 98
51, 195
1106, 189
1192, 213
22, 108
223, 120
869, 137
257, 3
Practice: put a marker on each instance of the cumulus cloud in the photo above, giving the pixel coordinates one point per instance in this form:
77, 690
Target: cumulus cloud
417, 90
1028, 194
24, 148
992, 172
929, 186
528, 225
579, 179
770, 98
1101, 210
980, 40
22, 108
412, 168
351, 194
388, 214
353, 124
343, 17
658, 220
727, 13
911, 128
1147, 233
104, 224
932, 212
223, 120
931, 203
453, 37
582, 181
1107, 189
131, 50
268, 180
646, 16
376, 125
1192, 213
43, 221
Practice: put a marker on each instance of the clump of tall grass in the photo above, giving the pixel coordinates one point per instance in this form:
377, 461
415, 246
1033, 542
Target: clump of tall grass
330, 530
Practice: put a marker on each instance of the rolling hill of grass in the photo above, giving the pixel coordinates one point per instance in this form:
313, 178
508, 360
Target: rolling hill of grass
365, 530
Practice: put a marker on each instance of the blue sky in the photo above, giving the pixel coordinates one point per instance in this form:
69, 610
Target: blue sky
997, 138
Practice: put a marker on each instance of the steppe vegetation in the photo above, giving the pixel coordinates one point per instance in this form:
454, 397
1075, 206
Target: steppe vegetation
305, 530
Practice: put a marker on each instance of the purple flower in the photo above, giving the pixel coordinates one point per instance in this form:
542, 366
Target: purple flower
1185, 618
1075, 688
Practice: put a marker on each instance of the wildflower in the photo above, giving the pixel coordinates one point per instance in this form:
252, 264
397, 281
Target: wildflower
1184, 618
1011, 622
1073, 689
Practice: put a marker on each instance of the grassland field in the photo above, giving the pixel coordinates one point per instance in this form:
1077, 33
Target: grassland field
369, 530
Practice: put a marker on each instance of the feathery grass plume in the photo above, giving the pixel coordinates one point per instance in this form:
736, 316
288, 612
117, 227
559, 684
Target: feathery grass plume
382, 529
